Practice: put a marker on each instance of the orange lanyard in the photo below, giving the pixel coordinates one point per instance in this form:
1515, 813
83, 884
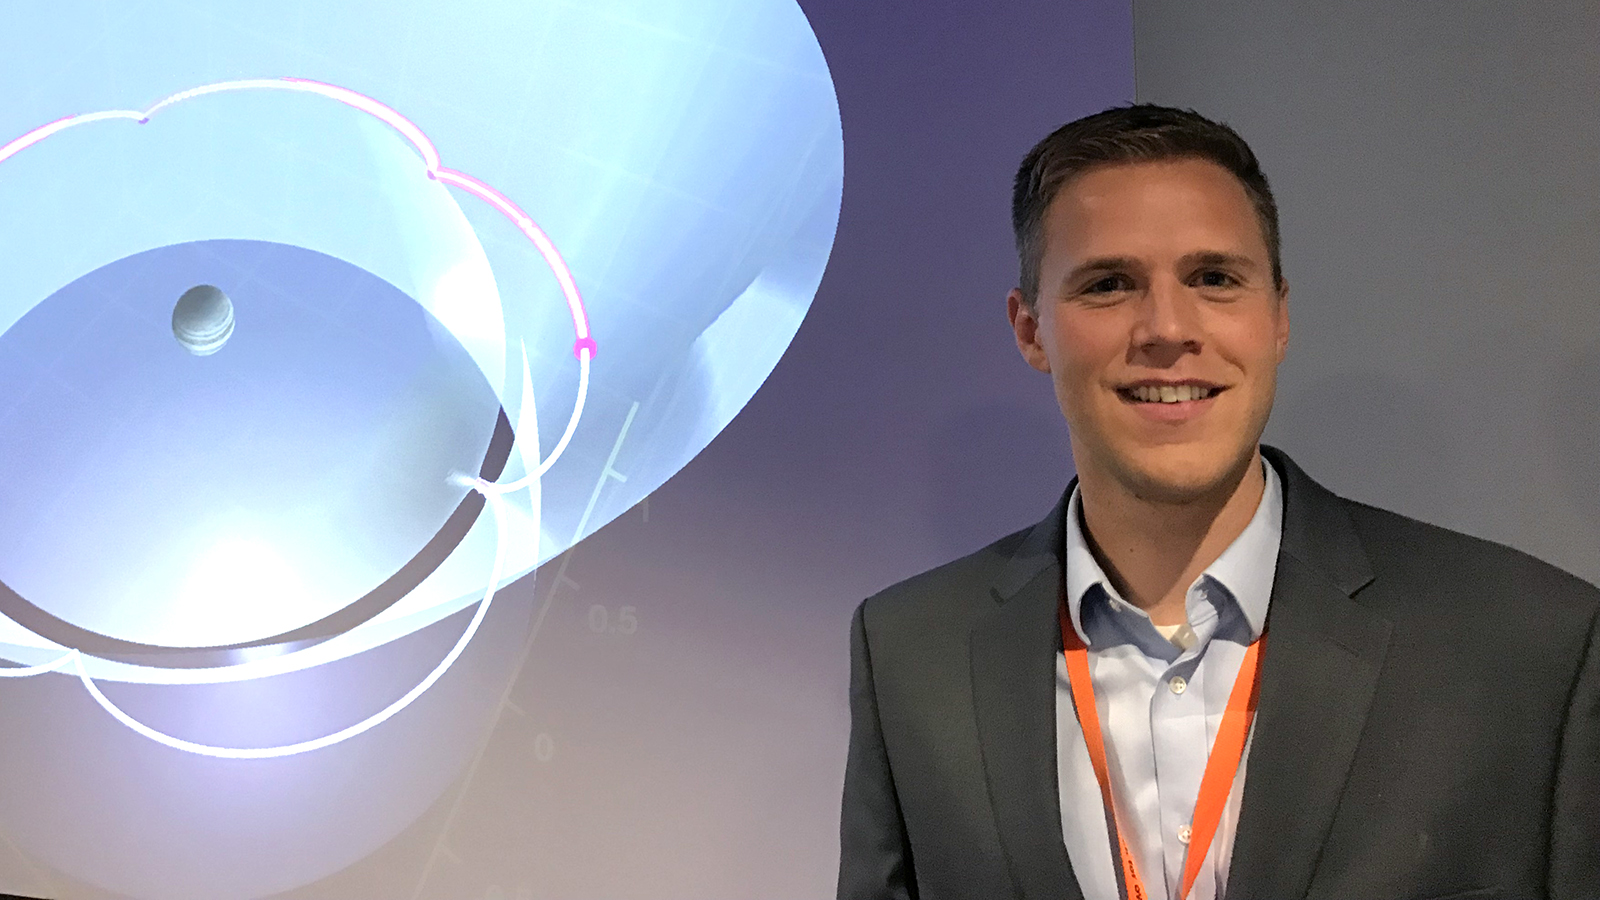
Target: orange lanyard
1221, 766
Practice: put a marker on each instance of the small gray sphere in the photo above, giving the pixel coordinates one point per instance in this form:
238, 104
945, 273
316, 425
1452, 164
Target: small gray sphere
202, 321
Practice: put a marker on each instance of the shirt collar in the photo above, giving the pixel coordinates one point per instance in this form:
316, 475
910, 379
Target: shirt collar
1246, 568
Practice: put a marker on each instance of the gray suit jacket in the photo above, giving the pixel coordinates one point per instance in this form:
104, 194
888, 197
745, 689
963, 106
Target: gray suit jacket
1428, 727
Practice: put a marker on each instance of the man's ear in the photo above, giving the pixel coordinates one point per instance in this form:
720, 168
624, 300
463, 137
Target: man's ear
1025, 324
1283, 320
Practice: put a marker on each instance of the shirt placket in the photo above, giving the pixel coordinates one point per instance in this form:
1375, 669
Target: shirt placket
1177, 726
1180, 745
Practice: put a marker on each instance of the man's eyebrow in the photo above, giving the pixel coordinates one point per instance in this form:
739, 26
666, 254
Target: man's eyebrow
1129, 263
1219, 258
1103, 264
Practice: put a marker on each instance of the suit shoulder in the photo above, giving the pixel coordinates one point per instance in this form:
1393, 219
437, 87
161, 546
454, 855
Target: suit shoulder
1400, 546
954, 591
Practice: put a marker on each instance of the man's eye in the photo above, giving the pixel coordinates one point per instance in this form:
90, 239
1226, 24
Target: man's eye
1107, 284
1217, 278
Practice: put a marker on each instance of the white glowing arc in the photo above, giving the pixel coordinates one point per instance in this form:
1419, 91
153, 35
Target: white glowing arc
30, 671
493, 500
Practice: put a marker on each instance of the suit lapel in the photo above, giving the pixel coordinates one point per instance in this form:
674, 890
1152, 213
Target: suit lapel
1013, 652
1319, 672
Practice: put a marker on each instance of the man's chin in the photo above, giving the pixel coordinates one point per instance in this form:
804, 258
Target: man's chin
1184, 475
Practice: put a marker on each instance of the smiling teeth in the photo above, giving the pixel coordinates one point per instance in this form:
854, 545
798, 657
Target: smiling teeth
1169, 393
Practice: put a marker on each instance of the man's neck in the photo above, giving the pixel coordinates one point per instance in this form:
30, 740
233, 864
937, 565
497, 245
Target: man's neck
1152, 550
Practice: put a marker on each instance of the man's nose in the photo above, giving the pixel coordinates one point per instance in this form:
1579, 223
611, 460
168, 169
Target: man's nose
1168, 324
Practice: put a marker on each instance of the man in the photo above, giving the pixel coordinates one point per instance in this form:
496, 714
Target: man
1204, 675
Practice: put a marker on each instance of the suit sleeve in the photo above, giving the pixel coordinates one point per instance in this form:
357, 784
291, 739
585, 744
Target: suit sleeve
1575, 827
874, 852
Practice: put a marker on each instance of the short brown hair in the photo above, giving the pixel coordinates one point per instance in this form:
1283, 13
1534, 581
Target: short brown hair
1139, 132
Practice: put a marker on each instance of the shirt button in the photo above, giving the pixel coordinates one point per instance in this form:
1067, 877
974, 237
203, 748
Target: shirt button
1183, 834
1177, 684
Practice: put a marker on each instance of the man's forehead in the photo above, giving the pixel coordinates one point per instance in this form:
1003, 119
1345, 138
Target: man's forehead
1146, 185
1139, 211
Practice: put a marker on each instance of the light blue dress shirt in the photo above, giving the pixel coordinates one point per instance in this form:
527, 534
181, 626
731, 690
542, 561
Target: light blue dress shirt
1160, 707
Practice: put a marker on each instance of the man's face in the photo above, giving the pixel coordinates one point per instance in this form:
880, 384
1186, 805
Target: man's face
1158, 323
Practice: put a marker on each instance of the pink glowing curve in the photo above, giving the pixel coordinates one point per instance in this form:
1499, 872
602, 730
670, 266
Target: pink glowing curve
547, 249
584, 347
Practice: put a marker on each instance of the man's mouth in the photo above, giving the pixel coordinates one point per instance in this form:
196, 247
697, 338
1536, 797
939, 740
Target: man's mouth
1168, 393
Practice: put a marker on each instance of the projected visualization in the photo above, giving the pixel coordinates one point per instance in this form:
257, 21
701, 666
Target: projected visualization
224, 548
311, 348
